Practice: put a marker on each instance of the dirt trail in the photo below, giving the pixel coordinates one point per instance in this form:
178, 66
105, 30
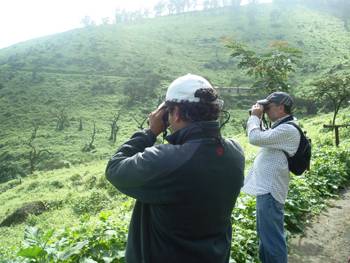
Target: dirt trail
328, 238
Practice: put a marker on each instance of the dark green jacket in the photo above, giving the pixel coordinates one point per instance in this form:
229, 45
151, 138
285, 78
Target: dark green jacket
185, 193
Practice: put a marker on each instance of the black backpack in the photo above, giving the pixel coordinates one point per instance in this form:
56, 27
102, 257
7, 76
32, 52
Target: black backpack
300, 162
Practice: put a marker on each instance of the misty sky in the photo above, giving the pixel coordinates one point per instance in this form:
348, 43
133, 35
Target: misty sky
21, 20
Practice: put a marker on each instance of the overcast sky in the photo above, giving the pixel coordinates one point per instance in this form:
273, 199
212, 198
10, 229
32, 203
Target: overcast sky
21, 20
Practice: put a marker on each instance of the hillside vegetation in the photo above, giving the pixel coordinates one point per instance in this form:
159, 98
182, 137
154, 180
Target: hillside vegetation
74, 199
87, 75
61, 94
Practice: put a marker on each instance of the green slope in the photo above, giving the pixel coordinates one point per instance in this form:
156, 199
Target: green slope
83, 192
85, 71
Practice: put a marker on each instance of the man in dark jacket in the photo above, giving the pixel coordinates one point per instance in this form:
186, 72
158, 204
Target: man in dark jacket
185, 190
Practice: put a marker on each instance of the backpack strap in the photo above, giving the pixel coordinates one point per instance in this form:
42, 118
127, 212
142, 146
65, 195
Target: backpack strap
289, 120
300, 133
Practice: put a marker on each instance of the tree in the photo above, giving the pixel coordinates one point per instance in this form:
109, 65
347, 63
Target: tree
140, 123
339, 8
9, 167
171, 7
343, 8
187, 4
80, 124
159, 8
141, 89
206, 4
214, 4
145, 13
114, 127
35, 155
90, 146
118, 16
192, 4
275, 17
62, 120
252, 11
87, 21
333, 88
105, 20
271, 69
179, 5
235, 3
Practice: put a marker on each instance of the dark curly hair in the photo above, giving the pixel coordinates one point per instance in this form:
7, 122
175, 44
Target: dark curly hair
204, 110
288, 109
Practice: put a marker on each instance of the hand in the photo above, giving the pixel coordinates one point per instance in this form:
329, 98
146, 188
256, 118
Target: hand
257, 110
155, 120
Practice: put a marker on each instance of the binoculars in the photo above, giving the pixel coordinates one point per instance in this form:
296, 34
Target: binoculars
165, 117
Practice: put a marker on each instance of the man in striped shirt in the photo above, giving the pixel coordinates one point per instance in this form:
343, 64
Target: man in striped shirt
268, 179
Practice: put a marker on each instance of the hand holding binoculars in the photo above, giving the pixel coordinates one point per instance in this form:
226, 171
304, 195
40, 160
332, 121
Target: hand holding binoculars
257, 108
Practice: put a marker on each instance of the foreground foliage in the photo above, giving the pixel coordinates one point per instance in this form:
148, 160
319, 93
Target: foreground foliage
104, 240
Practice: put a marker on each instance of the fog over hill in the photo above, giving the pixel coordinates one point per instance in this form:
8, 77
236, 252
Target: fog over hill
87, 75
69, 100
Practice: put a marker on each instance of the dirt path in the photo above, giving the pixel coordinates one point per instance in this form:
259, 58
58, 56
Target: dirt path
328, 238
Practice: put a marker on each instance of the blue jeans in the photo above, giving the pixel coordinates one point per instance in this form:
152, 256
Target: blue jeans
270, 229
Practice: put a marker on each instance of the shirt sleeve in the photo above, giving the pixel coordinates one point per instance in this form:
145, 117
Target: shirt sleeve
284, 137
142, 171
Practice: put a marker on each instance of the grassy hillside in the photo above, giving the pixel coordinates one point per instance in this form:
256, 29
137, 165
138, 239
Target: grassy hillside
77, 195
87, 75
90, 74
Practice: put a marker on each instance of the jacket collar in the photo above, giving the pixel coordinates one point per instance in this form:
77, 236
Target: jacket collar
196, 130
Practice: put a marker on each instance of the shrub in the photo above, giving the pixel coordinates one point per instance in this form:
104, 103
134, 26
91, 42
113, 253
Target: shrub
101, 241
9, 168
53, 163
56, 184
32, 186
105, 240
91, 204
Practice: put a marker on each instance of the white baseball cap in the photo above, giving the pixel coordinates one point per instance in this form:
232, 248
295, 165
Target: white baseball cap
185, 87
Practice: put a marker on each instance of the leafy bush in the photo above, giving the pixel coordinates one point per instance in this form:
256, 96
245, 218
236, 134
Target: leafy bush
9, 168
9, 185
105, 240
307, 195
92, 204
56, 184
33, 185
53, 163
330, 171
244, 238
101, 241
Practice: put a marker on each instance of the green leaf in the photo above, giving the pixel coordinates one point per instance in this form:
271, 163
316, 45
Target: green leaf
104, 215
75, 250
108, 259
87, 260
48, 235
34, 252
31, 236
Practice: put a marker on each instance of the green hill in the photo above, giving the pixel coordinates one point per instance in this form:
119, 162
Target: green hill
74, 197
87, 75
